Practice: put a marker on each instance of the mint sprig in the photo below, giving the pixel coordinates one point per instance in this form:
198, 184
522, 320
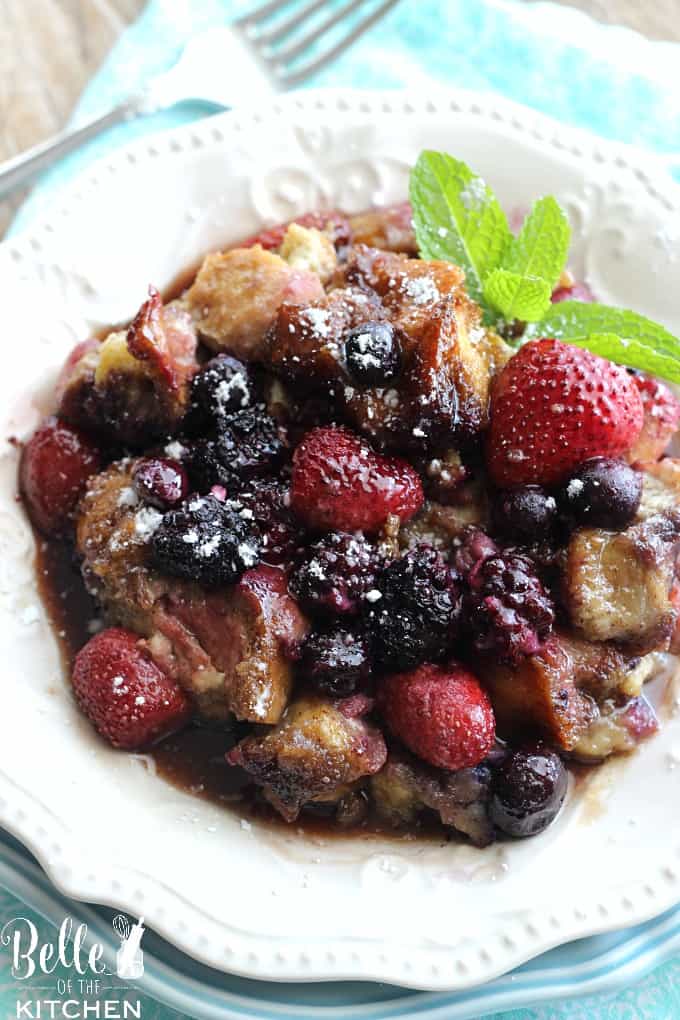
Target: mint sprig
458, 218
615, 333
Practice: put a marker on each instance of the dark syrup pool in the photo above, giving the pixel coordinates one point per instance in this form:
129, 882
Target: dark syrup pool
192, 760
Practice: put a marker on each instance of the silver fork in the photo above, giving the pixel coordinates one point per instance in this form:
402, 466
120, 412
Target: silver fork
257, 54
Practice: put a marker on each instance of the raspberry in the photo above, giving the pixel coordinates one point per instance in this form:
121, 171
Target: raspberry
162, 483
414, 615
506, 608
573, 292
335, 573
206, 540
440, 713
129, 700
222, 387
336, 662
55, 465
340, 484
248, 444
554, 406
471, 548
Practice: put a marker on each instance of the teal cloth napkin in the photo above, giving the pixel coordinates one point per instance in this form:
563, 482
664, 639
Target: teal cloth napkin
552, 58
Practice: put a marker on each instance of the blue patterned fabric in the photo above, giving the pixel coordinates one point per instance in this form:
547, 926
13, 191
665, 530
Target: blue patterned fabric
548, 57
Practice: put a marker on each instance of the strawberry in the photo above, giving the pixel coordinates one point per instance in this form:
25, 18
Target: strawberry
340, 484
332, 222
440, 713
55, 465
124, 694
662, 417
554, 406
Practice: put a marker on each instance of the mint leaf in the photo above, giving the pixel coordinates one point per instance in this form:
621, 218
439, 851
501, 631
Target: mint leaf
632, 354
541, 247
516, 296
615, 333
457, 217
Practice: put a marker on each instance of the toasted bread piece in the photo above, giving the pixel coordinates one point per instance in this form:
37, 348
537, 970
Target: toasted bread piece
134, 385
316, 753
236, 295
228, 647
616, 585
556, 691
390, 228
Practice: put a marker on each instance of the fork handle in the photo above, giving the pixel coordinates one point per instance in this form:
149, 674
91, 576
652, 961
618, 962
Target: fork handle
20, 169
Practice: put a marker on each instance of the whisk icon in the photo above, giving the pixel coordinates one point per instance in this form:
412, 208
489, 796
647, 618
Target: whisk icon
130, 958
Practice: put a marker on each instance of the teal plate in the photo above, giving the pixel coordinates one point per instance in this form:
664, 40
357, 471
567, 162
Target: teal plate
604, 963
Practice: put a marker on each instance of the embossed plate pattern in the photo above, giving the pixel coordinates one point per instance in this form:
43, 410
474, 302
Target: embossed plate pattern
274, 904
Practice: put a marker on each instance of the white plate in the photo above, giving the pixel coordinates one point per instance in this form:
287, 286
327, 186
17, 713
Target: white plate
274, 904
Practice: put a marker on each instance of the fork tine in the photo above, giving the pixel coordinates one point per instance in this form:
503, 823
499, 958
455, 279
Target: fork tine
259, 14
289, 53
293, 78
284, 28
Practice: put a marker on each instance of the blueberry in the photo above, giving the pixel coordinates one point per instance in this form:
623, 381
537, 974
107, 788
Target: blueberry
335, 662
527, 791
603, 493
206, 540
373, 353
248, 444
223, 386
526, 514
161, 482
335, 573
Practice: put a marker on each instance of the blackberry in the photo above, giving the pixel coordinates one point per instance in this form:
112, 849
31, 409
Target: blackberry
335, 574
336, 662
161, 482
373, 353
527, 791
471, 548
506, 608
414, 617
249, 444
268, 499
222, 387
526, 514
603, 493
206, 540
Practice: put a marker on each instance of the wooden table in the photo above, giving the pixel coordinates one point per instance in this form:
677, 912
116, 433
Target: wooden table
49, 49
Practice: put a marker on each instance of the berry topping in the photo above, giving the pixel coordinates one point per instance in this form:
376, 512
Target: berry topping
662, 417
335, 574
603, 493
223, 386
555, 406
332, 222
335, 662
414, 610
507, 610
129, 700
249, 444
55, 465
573, 292
527, 791
206, 540
526, 514
373, 353
440, 713
160, 482
340, 484
471, 548
269, 501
